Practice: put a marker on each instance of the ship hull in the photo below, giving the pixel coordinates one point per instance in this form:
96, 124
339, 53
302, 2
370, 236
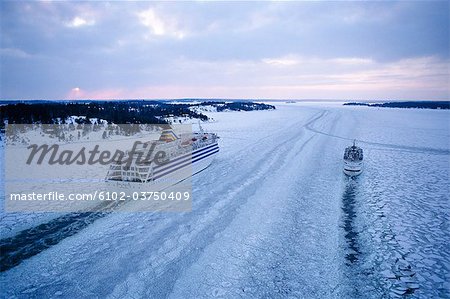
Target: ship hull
353, 169
171, 173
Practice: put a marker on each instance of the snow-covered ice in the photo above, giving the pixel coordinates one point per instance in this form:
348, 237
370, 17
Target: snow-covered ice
274, 216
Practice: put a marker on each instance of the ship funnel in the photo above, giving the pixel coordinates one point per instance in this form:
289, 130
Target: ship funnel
168, 135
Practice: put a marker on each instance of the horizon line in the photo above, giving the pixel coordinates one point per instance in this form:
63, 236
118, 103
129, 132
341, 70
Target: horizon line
232, 99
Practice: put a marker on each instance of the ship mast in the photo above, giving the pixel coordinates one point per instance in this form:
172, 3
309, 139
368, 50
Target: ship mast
200, 127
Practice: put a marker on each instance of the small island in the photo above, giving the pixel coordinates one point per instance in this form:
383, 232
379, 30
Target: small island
408, 104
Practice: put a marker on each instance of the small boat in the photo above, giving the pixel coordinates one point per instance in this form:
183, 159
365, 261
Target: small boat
353, 160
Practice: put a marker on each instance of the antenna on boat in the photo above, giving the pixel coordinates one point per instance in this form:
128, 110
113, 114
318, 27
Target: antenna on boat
354, 142
200, 126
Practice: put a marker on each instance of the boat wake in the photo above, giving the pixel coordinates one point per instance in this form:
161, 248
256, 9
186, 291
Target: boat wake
414, 149
348, 225
32, 241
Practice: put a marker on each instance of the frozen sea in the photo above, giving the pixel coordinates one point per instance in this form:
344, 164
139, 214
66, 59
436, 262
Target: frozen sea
274, 216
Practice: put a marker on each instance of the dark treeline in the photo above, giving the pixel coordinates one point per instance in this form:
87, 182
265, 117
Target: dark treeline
411, 104
113, 112
239, 106
117, 112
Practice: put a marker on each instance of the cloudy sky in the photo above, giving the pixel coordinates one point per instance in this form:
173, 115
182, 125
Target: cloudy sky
278, 50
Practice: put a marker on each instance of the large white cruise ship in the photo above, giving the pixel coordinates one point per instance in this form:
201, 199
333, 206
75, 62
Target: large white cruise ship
185, 155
